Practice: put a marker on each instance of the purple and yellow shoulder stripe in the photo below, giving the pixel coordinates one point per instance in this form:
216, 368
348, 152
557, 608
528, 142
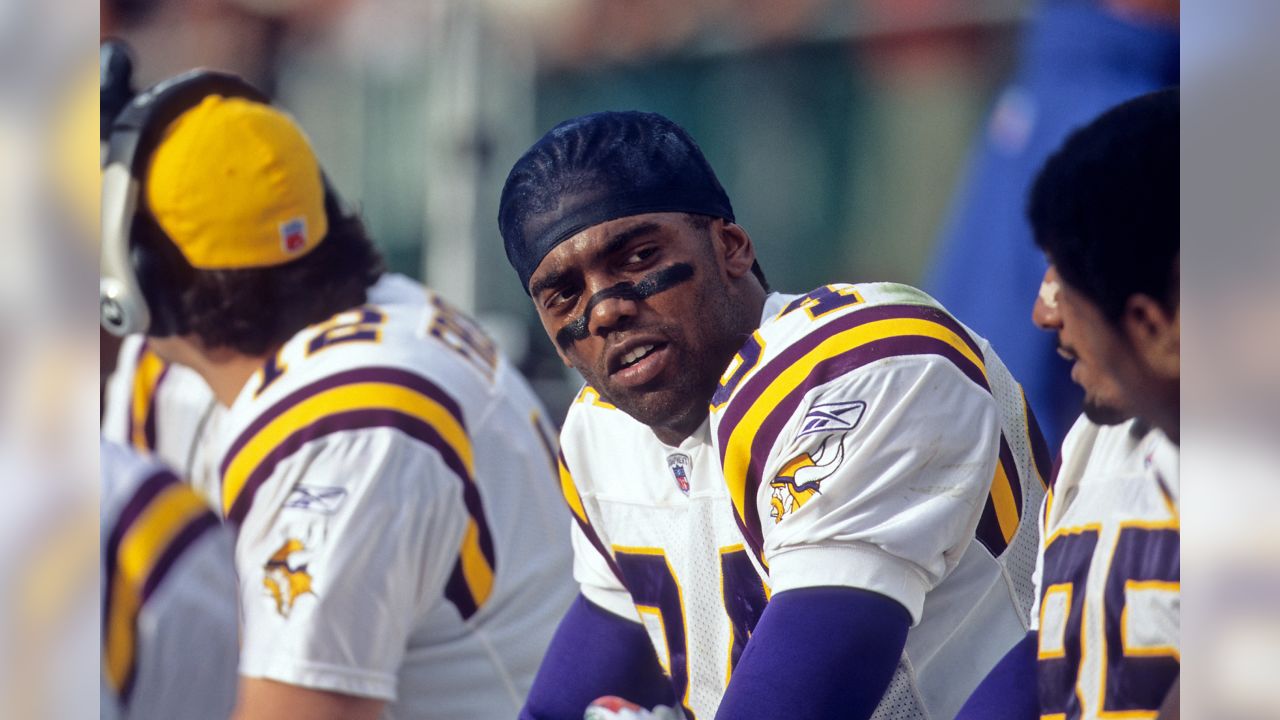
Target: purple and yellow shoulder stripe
149, 371
760, 408
158, 523
364, 398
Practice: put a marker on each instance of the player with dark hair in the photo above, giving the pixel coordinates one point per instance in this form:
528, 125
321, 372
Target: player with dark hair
388, 473
1104, 637
794, 506
1105, 212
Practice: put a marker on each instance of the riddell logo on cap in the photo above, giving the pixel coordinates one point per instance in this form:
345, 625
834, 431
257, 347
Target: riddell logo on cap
293, 235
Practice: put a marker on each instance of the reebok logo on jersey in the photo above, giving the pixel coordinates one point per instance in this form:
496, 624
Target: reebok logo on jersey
323, 500
832, 417
285, 580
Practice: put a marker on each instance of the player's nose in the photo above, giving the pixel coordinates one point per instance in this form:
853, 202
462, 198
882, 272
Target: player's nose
1044, 313
610, 310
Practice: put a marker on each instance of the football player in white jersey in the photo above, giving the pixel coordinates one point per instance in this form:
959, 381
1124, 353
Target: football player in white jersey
168, 587
797, 506
1105, 637
165, 410
390, 479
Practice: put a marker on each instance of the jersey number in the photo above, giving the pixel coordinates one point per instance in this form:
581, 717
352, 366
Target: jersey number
363, 324
656, 592
824, 300
1134, 677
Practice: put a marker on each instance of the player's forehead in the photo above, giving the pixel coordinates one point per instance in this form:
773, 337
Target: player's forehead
596, 243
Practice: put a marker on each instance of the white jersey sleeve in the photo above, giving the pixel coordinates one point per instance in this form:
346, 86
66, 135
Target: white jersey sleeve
847, 507
369, 531
168, 586
846, 426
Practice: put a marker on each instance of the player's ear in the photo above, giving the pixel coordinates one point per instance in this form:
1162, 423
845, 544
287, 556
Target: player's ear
1155, 334
734, 248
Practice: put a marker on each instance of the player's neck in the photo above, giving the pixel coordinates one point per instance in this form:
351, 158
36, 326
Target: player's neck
1167, 418
226, 372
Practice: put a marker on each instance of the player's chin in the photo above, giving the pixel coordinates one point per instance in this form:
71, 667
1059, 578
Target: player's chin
656, 406
1103, 413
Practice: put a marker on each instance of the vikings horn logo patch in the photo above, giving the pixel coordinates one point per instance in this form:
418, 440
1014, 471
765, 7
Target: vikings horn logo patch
680, 465
801, 478
284, 581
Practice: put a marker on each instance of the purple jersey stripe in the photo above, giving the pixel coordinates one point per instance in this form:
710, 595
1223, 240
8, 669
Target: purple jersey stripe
592, 537
824, 372
766, 374
183, 540
149, 427
988, 530
414, 427
458, 592
1039, 448
394, 376
147, 491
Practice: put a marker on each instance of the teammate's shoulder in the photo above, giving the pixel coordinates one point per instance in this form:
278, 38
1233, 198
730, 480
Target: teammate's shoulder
144, 505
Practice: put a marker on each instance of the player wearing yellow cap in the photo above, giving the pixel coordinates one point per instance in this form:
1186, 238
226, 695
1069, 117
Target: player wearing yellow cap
387, 471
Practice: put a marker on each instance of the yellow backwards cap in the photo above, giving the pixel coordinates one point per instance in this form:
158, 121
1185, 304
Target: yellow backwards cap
235, 184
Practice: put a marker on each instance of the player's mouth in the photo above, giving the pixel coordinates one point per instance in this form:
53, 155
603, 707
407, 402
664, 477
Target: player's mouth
637, 362
1065, 352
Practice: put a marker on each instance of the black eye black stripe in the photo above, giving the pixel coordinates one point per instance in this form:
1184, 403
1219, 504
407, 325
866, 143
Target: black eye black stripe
650, 285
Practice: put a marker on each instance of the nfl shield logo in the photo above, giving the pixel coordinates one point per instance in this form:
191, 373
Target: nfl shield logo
679, 464
293, 235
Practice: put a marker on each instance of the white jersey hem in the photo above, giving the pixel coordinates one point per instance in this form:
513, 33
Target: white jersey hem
857, 565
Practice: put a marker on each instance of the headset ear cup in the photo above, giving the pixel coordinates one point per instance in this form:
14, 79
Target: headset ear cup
160, 268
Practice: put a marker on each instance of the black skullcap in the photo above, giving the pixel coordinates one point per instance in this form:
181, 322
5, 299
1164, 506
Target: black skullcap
597, 168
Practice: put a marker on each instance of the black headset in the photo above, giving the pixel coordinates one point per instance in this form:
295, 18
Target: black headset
137, 293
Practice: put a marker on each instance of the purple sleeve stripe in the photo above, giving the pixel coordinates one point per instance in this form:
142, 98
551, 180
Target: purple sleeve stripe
458, 592
174, 550
1039, 448
133, 509
824, 372
149, 428
394, 376
146, 492
988, 530
764, 376
410, 425
186, 537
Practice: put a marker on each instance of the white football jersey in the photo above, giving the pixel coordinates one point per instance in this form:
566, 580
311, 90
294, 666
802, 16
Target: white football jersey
163, 409
168, 587
399, 535
1108, 578
861, 438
